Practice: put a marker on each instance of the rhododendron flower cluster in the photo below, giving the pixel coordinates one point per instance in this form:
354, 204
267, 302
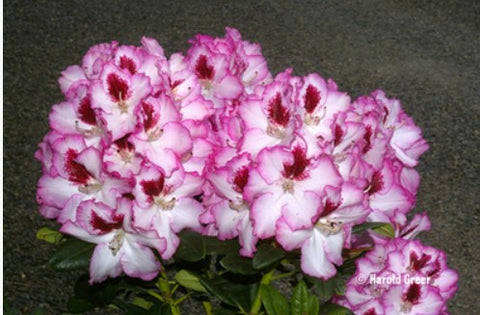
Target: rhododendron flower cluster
400, 277
145, 146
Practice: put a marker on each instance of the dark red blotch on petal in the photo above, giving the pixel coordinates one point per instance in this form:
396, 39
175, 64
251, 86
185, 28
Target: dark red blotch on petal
117, 87
99, 223
366, 137
175, 83
123, 143
329, 207
376, 184
86, 113
339, 133
312, 98
417, 264
150, 118
277, 112
413, 293
154, 187
203, 70
128, 63
241, 179
295, 169
370, 311
77, 172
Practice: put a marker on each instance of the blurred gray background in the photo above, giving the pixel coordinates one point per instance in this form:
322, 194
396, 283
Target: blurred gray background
426, 53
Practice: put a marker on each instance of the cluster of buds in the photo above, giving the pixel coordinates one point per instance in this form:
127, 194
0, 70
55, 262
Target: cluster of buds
144, 146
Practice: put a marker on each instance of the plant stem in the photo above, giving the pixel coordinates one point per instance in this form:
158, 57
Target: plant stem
284, 275
166, 291
207, 306
257, 303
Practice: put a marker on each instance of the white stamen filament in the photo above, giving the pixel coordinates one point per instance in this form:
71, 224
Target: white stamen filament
122, 104
91, 187
165, 204
329, 227
117, 241
275, 132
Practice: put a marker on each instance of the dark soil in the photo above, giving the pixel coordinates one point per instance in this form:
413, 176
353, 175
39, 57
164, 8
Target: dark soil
427, 55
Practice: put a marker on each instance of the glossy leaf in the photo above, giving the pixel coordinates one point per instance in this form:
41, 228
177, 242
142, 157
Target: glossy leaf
385, 230
313, 305
334, 309
215, 246
78, 305
100, 294
273, 301
233, 294
267, 255
49, 235
374, 226
72, 254
189, 280
325, 289
299, 301
235, 263
191, 248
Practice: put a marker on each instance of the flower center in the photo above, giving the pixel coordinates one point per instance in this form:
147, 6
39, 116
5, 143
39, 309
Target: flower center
329, 227
165, 204
125, 149
118, 90
156, 189
117, 241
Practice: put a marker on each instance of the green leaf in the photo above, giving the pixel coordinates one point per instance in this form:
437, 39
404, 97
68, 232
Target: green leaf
221, 311
101, 294
324, 289
267, 255
235, 263
141, 302
72, 254
378, 227
273, 301
131, 309
189, 280
385, 230
215, 246
334, 309
233, 294
191, 248
299, 300
49, 235
313, 305
79, 305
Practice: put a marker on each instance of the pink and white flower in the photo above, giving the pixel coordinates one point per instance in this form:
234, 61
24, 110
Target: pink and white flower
120, 247
323, 240
165, 204
231, 213
286, 183
432, 285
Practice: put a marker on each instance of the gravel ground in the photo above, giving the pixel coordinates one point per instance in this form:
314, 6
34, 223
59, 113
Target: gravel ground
427, 55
